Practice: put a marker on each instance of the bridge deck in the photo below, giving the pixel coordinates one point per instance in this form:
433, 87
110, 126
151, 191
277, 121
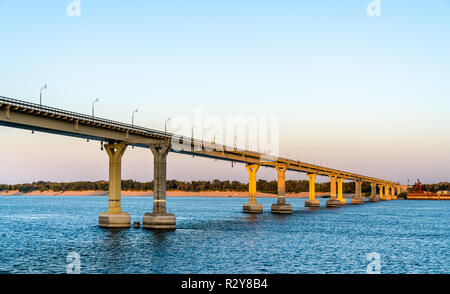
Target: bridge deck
21, 114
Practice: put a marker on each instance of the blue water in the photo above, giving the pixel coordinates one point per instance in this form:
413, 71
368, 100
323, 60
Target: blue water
213, 236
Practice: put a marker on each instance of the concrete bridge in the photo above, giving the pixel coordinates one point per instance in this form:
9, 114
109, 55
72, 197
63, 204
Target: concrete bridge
118, 136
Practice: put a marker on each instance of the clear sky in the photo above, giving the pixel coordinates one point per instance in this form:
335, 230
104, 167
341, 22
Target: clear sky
370, 94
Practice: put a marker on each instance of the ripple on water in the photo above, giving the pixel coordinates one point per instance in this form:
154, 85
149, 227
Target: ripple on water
213, 236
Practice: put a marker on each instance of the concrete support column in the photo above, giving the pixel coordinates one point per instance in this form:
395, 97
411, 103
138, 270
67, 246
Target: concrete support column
281, 206
393, 193
159, 218
312, 202
381, 187
115, 218
358, 199
340, 195
333, 202
252, 206
374, 197
387, 195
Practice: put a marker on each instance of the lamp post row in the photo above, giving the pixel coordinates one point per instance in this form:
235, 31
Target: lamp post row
93, 107
97, 100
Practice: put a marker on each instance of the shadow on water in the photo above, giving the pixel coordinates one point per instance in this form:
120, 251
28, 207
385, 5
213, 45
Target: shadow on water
252, 218
114, 238
158, 239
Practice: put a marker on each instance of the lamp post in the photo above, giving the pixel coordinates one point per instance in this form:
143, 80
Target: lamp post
93, 103
165, 125
132, 116
40, 94
192, 140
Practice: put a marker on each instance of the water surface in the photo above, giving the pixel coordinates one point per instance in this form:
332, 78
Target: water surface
213, 236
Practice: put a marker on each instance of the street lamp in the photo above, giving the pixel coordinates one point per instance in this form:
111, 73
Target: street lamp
132, 117
192, 139
93, 103
165, 125
40, 94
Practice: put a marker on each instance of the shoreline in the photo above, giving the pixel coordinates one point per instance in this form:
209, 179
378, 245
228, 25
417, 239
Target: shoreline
224, 194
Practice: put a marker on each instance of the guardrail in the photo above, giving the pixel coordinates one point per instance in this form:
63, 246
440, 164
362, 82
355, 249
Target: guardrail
80, 116
202, 143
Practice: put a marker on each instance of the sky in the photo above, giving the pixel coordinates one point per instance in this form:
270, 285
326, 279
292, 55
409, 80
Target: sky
368, 94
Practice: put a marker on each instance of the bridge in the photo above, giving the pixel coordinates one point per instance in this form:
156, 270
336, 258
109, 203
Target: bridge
118, 136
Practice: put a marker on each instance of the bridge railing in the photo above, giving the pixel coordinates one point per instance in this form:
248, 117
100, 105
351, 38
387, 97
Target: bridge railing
79, 116
149, 131
95, 119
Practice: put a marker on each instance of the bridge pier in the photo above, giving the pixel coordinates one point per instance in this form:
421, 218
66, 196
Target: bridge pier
252, 206
114, 217
358, 199
159, 219
341, 191
381, 187
312, 202
387, 196
374, 197
393, 195
281, 206
333, 202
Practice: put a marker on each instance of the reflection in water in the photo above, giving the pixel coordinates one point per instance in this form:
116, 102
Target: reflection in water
114, 237
214, 236
252, 217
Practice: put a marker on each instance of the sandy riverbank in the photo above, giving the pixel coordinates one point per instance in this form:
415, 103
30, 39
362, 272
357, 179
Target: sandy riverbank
150, 194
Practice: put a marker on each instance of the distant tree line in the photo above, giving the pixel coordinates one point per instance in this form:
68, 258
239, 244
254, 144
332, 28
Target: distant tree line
292, 186
443, 186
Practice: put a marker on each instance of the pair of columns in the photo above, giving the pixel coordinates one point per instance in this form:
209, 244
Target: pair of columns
115, 217
336, 200
281, 206
358, 199
374, 197
387, 195
340, 200
393, 193
390, 192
